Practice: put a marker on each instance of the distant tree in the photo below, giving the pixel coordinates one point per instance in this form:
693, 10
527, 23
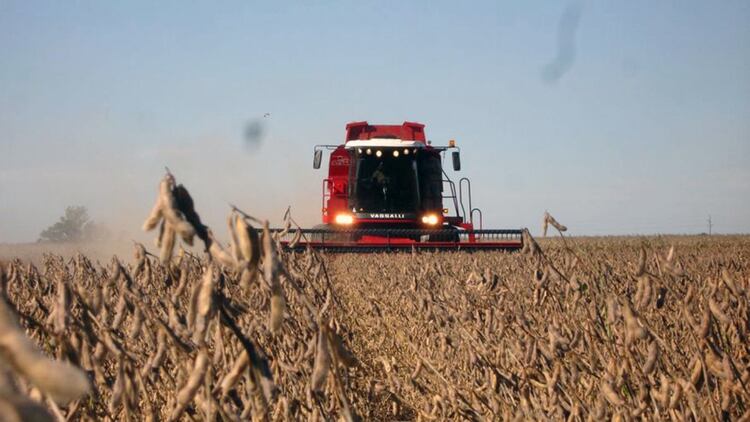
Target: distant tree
70, 228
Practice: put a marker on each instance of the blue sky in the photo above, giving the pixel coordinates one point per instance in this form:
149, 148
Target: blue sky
648, 131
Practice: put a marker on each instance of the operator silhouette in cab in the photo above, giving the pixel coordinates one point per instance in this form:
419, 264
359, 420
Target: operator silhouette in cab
381, 181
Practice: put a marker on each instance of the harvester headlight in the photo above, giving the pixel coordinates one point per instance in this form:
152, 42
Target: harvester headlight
378, 153
369, 151
344, 219
406, 151
430, 219
395, 153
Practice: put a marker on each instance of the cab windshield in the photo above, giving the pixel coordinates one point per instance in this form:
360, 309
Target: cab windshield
385, 183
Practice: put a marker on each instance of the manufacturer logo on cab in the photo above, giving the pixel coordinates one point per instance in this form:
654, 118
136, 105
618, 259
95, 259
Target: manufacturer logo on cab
387, 215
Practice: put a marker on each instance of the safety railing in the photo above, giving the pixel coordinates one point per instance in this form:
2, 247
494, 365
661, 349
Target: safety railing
479, 213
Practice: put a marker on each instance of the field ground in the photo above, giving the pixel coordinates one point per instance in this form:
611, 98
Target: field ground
34, 252
586, 328
104, 250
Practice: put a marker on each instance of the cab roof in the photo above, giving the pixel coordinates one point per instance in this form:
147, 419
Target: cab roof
408, 131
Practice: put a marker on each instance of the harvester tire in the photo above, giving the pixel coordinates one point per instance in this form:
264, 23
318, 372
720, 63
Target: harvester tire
331, 235
446, 235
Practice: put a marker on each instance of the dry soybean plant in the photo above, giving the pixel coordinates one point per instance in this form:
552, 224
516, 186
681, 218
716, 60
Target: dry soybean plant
239, 334
567, 329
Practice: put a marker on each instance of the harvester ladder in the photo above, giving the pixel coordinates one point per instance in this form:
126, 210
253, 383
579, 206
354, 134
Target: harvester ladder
453, 195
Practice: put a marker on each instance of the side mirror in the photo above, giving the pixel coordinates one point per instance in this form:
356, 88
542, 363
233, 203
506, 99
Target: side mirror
316, 159
456, 160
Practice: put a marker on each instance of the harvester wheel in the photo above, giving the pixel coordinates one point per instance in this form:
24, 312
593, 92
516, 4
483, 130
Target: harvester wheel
330, 235
445, 235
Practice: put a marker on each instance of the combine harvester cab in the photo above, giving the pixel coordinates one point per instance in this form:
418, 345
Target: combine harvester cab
386, 189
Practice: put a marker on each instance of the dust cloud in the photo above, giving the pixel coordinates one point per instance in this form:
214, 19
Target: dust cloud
119, 186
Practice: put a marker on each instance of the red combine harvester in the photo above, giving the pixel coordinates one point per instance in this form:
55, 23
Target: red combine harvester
386, 189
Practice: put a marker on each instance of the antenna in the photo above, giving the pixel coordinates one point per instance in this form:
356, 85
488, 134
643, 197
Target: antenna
710, 224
